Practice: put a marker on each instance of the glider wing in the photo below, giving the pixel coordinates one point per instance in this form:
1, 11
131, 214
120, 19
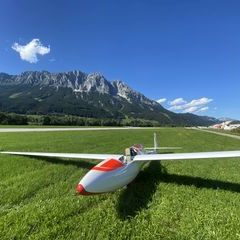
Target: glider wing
67, 155
185, 156
162, 148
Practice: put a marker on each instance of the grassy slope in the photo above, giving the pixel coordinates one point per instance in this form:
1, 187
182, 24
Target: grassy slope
171, 200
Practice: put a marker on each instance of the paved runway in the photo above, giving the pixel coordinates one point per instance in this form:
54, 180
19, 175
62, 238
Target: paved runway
8, 130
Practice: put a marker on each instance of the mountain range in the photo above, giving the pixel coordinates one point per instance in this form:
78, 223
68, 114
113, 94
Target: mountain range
85, 95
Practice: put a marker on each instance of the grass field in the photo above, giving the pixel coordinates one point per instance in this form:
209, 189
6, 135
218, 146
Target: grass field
233, 132
168, 200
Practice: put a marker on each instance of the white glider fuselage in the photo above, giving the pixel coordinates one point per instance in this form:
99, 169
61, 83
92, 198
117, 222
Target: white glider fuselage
102, 181
109, 175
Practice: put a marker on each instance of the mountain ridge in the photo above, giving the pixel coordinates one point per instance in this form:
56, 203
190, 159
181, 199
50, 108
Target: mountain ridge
86, 95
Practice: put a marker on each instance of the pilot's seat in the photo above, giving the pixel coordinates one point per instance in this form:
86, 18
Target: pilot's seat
133, 152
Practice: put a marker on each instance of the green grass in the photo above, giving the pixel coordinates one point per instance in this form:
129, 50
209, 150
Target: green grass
236, 131
232, 132
168, 200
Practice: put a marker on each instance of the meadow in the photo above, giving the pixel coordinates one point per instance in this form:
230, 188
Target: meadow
168, 200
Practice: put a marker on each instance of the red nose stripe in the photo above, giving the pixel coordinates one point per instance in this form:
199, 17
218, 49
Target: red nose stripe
108, 165
81, 190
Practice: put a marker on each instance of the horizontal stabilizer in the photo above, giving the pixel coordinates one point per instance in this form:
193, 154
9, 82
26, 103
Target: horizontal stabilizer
162, 148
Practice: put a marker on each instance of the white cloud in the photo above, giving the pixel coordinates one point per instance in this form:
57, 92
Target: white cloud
203, 109
177, 107
199, 102
194, 106
177, 101
161, 100
29, 51
190, 110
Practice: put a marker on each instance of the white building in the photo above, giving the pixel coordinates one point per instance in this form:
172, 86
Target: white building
228, 125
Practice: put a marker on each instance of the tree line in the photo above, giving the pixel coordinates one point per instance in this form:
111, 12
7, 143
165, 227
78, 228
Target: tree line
70, 120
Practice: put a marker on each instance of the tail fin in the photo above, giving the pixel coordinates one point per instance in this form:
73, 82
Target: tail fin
156, 147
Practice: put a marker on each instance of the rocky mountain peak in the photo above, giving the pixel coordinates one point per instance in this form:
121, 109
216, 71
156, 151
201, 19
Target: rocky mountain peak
123, 90
94, 82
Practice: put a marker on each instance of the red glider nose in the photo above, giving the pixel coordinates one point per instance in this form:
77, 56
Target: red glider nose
81, 190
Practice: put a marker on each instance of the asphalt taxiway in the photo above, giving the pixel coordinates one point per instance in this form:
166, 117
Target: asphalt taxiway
57, 129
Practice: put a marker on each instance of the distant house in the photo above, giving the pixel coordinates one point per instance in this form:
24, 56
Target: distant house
228, 125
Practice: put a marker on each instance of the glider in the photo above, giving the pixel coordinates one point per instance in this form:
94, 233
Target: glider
116, 171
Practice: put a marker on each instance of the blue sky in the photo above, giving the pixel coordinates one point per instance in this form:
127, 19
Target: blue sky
187, 52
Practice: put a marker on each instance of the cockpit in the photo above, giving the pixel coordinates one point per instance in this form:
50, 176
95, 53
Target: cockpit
134, 150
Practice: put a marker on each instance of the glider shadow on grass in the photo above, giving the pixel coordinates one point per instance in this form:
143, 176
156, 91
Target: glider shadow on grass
139, 193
